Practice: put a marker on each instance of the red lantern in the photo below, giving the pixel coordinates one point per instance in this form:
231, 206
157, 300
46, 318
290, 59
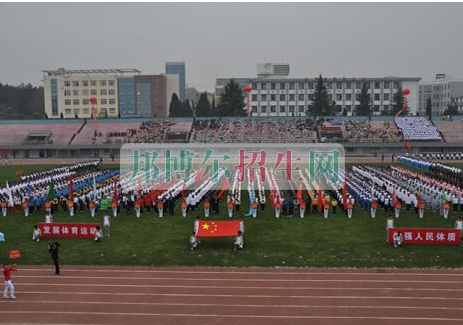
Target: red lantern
92, 100
247, 89
406, 92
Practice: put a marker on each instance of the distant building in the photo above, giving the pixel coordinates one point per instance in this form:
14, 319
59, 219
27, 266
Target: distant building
444, 90
292, 96
273, 70
153, 94
179, 69
67, 92
119, 92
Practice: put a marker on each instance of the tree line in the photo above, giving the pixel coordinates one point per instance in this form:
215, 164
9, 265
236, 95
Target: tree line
21, 102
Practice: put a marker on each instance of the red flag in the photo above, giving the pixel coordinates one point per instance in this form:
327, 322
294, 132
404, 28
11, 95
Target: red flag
139, 188
394, 197
299, 193
71, 193
272, 198
115, 195
218, 228
407, 145
319, 199
224, 189
94, 117
344, 194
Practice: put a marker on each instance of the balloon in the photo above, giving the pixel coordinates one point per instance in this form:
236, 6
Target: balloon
92, 100
406, 91
247, 89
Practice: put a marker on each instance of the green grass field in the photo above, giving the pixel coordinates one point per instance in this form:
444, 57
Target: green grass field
291, 241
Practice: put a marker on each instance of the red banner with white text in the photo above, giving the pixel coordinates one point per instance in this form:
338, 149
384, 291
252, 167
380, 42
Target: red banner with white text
435, 236
68, 230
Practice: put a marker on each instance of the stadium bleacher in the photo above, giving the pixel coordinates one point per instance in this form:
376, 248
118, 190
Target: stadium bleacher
417, 128
452, 131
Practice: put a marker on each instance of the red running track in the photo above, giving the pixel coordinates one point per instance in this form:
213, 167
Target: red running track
257, 296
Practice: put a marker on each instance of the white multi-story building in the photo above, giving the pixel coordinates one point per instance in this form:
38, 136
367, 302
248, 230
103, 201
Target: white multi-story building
67, 92
292, 97
443, 91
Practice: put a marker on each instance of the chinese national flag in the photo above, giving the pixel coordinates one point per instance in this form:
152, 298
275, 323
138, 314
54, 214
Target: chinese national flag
218, 228
115, 195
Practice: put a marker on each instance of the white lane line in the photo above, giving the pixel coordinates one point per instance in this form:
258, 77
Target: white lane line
436, 319
229, 305
235, 296
191, 270
247, 280
231, 287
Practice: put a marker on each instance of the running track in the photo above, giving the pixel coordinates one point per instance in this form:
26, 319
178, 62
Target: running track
251, 296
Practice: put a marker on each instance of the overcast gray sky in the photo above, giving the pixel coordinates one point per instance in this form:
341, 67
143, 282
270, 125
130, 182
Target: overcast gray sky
228, 40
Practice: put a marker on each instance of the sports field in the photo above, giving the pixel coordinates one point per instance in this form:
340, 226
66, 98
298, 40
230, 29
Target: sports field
289, 241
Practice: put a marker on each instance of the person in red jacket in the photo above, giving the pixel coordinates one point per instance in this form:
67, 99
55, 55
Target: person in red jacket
8, 284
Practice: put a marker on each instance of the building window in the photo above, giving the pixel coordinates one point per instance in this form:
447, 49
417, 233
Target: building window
282, 97
103, 92
75, 102
348, 96
282, 109
291, 108
263, 109
291, 85
301, 85
396, 85
75, 84
75, 93
254, 98
358, 85
254, 109
112, 101
263, 97
104, 101
273, 109
301, 108
300, 97
85, 83
85, 101
386, 85
93, 92
67, 84
85, 111
67, 111
311, 85
292, 97
67, 93
377, 96
102, 83
112, 110
263, 86
386, 108
85, 92
348, 85
273, 97
93, 83
386, 96
110, 83
338, 96
376, 108
111, 92
377, 85
272, 85
338, 85
282, 85
348, 108
329, 85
